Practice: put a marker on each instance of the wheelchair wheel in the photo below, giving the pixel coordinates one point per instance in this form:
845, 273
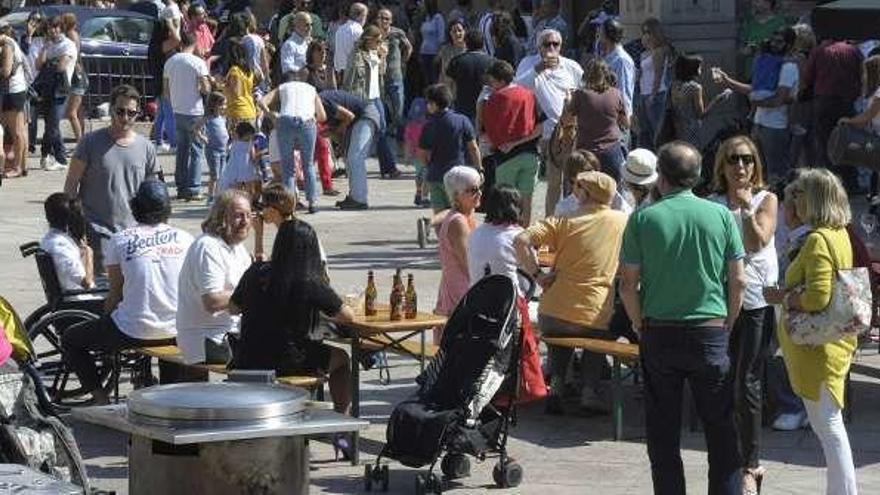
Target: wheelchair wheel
58, 379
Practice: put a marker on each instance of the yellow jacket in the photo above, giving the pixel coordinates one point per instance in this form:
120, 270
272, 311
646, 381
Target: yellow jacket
810, 366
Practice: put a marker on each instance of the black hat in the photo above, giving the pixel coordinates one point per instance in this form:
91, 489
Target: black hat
152, 197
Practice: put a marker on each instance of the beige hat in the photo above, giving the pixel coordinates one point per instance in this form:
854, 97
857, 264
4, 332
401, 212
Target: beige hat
641, 167
598, 186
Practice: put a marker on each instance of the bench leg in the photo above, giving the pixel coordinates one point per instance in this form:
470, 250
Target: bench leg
616, 400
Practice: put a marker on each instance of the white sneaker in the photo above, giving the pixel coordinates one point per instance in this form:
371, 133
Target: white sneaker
165, 148
49, 164
791, 422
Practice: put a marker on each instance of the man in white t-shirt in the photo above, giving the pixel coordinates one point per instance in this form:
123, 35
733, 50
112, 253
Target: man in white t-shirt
186, 80
347, 35
143, 264
211, 271
771, 131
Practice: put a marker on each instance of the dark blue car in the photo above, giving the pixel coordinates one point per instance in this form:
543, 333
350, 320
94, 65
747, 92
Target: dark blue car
114, 46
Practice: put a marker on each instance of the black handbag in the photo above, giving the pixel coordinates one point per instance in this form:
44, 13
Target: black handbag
854, 145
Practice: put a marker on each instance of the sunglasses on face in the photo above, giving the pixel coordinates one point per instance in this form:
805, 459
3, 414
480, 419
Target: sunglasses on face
473, 191
552, 44
745, 159
125, 112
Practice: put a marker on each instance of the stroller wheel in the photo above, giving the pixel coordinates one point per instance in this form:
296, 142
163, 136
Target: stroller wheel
421, 484
385, 477
368, 477
507, 475
455, 466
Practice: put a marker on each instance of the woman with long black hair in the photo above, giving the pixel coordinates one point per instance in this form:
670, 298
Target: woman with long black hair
280, 302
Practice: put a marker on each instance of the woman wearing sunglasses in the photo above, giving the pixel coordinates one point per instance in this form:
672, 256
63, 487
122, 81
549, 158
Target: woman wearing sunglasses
454, 226
739, 183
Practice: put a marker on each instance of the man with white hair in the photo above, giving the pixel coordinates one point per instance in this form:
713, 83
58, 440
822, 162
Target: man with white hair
347, 35
552, 77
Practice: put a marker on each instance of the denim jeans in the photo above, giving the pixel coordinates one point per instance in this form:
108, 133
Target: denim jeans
190, 156
296, 133
216, 160
651, 110
670, 354
163, 127
774, 146
387, 163
612, 161
361, 137
394, 103
53, 143
749, 342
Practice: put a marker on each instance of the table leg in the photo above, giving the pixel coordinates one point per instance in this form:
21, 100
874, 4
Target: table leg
617, 400
422, 355
355, 395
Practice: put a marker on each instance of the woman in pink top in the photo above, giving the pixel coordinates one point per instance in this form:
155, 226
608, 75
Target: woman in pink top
453, 228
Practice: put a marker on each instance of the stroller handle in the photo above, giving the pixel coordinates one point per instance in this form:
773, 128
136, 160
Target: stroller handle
531, 280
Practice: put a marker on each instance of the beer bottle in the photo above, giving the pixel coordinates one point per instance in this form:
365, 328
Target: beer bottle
370, 295
412, 305
397, 297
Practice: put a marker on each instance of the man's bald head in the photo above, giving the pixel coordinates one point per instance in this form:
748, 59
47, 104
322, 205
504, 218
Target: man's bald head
679, 164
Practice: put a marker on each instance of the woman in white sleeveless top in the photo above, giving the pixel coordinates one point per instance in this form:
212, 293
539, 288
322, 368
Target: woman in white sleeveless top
739, 183
299, 111
14, 86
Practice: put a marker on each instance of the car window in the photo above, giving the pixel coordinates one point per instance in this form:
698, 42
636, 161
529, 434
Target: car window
118, 29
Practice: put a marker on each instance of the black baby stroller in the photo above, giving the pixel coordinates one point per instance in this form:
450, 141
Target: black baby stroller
466, 398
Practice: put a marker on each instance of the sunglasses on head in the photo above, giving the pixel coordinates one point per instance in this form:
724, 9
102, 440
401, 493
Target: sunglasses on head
125, 112
747, 159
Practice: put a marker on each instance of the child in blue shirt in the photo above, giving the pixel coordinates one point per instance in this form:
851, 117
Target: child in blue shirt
216, 140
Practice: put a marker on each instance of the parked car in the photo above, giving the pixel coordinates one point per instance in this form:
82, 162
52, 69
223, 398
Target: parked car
114, 47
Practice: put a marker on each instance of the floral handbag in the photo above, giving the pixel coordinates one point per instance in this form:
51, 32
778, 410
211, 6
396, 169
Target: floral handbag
848, 314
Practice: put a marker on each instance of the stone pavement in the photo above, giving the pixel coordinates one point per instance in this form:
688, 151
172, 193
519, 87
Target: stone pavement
560, 455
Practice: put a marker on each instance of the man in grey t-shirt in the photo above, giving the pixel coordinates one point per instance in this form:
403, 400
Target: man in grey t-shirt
107, 168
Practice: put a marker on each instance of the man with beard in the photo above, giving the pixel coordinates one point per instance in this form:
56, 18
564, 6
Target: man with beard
107, 167
213, 266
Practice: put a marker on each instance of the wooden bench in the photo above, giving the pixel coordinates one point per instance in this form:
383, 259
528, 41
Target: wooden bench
172, 354
620, 352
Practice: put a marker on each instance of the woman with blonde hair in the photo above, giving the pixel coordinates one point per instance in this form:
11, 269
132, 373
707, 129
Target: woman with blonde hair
600, 114
818, 373
739, 184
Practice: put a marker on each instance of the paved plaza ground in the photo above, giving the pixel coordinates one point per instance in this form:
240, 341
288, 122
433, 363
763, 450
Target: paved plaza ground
560, 455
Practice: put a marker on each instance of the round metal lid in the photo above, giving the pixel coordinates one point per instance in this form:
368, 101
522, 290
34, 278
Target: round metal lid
217, 401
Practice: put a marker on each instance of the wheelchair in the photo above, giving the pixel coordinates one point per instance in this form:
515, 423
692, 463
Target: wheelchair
64, 309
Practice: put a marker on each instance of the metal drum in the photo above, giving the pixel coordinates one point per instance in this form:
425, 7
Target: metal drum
219, 438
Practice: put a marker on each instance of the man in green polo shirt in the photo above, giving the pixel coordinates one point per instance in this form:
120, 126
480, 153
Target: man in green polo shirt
682, 287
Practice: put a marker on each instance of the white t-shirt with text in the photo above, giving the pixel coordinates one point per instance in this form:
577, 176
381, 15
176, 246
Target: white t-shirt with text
150, 258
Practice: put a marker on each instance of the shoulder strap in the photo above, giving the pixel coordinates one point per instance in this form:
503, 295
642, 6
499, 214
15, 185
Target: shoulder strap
834, 261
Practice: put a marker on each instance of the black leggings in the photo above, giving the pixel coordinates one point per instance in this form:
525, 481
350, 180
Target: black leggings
749, 344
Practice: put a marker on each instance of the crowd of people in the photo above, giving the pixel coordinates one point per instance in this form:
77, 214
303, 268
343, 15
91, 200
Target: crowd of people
662, 233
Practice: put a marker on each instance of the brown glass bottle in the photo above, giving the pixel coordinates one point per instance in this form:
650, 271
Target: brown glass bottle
411, 302
370, 295
397, 297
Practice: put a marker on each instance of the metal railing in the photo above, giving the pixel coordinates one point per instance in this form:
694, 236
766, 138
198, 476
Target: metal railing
107, 72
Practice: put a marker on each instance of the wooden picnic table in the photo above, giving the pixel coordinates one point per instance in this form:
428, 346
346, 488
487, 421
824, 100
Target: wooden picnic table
379, 333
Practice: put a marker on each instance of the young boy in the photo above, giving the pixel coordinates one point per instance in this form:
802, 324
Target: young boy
445, 139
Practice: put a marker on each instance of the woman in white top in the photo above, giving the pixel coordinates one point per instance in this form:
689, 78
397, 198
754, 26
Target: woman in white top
490, 247
739, 183
66, 242
299, 108
15, 86
653, 81
32, 42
